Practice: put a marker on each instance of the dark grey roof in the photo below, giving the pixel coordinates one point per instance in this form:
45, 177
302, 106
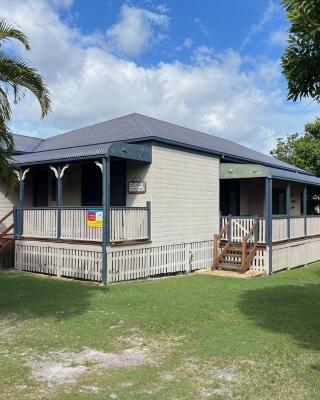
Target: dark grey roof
25, 144
137, 127
293, 176
123, 150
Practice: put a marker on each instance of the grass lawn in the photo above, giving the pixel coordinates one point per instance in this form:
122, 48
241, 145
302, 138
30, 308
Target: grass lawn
188, 337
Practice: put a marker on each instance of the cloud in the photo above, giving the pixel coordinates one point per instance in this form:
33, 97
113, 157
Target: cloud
278, 38
136, 29
217, 92
188, 43
271, 10
201, 26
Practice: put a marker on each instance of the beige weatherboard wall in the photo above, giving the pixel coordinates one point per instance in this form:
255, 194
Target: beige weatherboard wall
183, 189
184, 195
7, 202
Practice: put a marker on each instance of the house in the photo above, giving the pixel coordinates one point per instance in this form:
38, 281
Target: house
135, 197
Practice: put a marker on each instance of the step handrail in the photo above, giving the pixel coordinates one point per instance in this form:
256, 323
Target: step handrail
6, 216
244, 258
7, 230
216, 239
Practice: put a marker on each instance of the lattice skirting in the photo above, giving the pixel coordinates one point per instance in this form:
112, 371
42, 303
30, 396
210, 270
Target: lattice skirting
85, 261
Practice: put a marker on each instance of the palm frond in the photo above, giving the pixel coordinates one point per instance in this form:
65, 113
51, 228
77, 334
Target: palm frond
5, 108
7, 174
9, 32
20, 75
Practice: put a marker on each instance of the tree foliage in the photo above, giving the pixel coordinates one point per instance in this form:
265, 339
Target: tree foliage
301, 59
301, 150
16, 77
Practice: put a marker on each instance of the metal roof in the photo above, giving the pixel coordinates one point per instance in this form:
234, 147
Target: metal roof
247, 171
122, 150
25, 144
137, 127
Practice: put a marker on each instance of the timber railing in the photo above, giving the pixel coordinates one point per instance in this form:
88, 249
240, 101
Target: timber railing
283, 228
216, 240
72, 223
248, 253
6, 228
238, 227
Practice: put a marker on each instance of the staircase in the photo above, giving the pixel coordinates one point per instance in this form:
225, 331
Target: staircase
6, 243
234, 256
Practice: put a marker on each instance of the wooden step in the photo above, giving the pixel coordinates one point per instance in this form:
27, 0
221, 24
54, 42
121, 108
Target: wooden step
229, 266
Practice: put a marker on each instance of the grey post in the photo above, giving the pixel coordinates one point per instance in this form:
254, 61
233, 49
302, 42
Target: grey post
149, 219
106, 215
59, 201
21, 204
21, 177
305, 197
229, 228
268, 215
288, 208
256, 233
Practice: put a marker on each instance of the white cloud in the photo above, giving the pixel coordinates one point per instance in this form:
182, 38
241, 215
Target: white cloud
221, 93
188, 43
278, 38
136, 28
270, 11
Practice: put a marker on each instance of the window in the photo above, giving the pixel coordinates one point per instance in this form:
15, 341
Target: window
279, 200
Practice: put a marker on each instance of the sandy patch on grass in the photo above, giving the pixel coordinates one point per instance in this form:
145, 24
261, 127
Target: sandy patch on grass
66, 367
7, 325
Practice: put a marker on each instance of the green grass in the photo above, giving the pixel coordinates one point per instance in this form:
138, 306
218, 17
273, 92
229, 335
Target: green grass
206, 337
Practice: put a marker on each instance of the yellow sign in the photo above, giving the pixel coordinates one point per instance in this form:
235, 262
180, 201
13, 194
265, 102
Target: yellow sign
95, 218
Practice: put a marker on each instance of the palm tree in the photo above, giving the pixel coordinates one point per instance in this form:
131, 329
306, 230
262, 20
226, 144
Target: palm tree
16, 78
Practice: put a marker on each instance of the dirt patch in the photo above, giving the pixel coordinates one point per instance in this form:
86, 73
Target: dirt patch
7, 325
66, 367
89, 389
230, 274
224, 374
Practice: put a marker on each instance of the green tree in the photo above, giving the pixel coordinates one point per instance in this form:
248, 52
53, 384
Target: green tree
16, 77
301, 59
301, 150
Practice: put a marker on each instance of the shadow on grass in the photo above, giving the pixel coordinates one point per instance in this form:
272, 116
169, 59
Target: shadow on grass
286, 309
32, 296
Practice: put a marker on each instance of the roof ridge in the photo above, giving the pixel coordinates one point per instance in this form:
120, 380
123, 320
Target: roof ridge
141, 124
220, 138
185, 127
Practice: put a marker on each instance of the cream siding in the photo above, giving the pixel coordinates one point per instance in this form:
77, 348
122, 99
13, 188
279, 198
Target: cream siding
6, 204
139, 171
185, 196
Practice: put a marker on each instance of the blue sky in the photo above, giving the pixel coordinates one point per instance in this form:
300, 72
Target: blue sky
209, 65
245, 26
